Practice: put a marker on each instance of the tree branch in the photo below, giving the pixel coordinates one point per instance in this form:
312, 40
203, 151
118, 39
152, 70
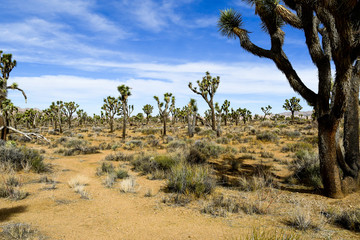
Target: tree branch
288, 16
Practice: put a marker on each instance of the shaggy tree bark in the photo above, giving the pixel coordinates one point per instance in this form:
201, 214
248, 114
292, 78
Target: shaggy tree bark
334, 21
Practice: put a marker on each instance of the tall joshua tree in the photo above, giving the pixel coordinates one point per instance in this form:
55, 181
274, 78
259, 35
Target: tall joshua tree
147, 110
292, 105
225, 109
124, 94
164, 113
112, 107
331, 29
6, 66
266, 111
207, 89
191, 113
69, 109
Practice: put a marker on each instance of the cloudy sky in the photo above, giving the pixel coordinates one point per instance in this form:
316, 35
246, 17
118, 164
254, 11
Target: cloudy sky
81, 50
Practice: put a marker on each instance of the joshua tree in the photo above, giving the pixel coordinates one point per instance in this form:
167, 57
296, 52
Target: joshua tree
191, 113
81, 116
6, 66
266, 111
207, 89
225, 109
219, 113
124, 94
9, 111
30, 116
164, 113
56, 112
112, 107
69, 109
331, 29
148, 110
245, 114
292, 105
235, 115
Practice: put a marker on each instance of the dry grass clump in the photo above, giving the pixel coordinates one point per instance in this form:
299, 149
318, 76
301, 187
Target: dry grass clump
78, 183
261, 234
301, 219
10, 188
21, 231
128, 185
176, 199
221, 205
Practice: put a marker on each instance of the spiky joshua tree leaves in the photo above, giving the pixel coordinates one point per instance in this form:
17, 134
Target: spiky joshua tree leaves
292, 105
207, 89
112, 107
168, 104
147, 110
331, 29
124, 94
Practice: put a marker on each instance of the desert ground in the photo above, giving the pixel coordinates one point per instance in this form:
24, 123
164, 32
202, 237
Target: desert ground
98, 186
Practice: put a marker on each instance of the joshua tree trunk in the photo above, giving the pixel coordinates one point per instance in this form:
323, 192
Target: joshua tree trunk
164, 121
111, 123
124, 120
213, 121
328, 158
4, 129
351, 125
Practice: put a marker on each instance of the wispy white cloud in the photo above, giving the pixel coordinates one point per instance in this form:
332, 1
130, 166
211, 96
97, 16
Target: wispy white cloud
155, 79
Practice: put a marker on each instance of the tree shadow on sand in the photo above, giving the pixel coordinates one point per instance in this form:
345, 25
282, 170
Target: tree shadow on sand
6, 213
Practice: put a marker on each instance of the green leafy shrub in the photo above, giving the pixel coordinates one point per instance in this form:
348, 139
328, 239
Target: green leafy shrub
208, 149
176, 145
195, 156
267, 136
190, 179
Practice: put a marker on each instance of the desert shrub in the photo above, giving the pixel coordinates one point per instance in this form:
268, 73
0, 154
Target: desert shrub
267, 136
164, 162
176, 145
301, 220
254, 183
97, 129
233, 161
266, 154
247, 156
221, 205
150, 131
223, 140
18, 158
133, 144
291, 134
298, 146
195, 156
19, 231
105, 146
208, 149
268, 124
207, 133
13, 193
158, 165
313, 140
190, 179
306, 169
121, 173
176, 199
105, 168
252, 208
75, 146
119, 156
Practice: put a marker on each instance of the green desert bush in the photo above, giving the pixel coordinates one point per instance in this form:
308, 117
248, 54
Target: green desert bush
267, 136
119, 156
306, 169
20, 231
74, 146
190, 179
208, 149
195, 156
176, 145
18, 158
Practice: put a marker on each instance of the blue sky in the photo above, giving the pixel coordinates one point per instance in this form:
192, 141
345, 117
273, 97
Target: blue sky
81, 50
